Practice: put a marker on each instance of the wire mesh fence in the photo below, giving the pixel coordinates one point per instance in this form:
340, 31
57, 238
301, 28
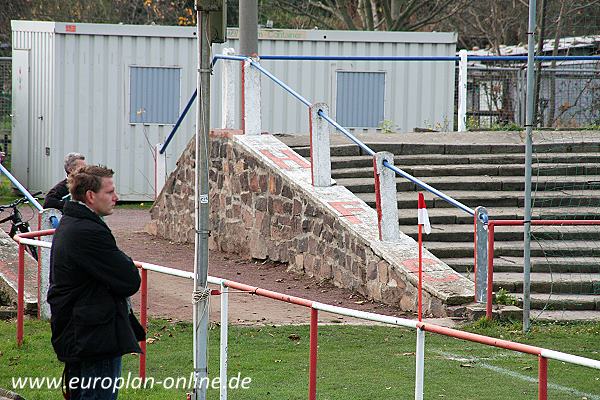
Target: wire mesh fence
5, 105
568, 95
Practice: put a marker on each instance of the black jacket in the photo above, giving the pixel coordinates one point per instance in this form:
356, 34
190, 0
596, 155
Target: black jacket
90, 280
54, 198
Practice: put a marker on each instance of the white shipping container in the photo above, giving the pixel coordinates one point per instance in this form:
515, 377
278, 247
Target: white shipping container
113, 91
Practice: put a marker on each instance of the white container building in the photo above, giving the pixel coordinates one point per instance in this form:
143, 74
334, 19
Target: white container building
113, 91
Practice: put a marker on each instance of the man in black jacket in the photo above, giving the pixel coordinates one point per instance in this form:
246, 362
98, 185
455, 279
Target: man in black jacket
90, 282
54, 198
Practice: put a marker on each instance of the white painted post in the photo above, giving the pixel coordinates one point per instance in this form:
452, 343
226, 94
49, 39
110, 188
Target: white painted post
462, 91
385, 197
320, 159
420, 364
160, 170
223, 342
228, 90
251, 122
44, 254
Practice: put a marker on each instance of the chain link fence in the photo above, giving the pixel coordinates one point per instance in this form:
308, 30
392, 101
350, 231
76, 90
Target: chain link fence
568, 95
5, 106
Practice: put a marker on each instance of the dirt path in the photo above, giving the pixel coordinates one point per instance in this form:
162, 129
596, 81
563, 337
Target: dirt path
170, 297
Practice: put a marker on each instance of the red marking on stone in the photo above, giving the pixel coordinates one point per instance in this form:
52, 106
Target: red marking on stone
290, 157
413, 266
346, 209
71, 28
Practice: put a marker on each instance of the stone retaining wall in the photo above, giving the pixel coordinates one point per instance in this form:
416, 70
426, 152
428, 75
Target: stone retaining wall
264, 206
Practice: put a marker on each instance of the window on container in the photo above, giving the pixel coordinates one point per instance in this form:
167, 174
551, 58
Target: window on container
360, 99
154, 95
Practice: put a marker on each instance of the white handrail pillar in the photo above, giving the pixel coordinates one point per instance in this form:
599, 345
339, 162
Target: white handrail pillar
481, 255
420, 364
251, 120
320, 160
160, 170
228, 90
462, 91
385, 197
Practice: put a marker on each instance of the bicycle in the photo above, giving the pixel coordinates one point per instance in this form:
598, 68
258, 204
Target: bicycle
17, 223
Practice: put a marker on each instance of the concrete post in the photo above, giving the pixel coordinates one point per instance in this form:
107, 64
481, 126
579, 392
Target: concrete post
481, 255
320, 159
385, 197
228, 90
462, 91
251, 122
160, 170
44, 255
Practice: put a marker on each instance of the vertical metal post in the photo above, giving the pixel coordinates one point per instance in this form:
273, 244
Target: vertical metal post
481, 255
20, 294
160, 169
143, 320
46, 218
200, 318
542, 378
528, 160
420, 364
228, 90
320, 160
490, 271
248, 11
312, 369
224, 341
385, 197
462, 91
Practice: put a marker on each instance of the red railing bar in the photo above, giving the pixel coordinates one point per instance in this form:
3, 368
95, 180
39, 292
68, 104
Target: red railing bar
544, 222
490, 272
20, 294
312, 370
269, 293
30, 235
542, 378
473, 337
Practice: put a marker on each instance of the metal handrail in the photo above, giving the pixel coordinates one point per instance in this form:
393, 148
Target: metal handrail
21, 188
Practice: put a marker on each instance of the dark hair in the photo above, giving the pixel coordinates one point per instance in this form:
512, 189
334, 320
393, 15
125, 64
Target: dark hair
87, 178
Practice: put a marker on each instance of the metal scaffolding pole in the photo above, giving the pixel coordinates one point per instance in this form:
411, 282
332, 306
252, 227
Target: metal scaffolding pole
528, 157
201, 291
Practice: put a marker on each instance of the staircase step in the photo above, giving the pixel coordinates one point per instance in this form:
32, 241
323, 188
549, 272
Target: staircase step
544, 282
540, 160
480, 183
555, 301
538, 264
539, 248
427, 170
491, 199
457, 216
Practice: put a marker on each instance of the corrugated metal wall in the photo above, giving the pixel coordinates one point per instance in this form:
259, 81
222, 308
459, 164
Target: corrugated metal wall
80, 87
418, 94
41, 109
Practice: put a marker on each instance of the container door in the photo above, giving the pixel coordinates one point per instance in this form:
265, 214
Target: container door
20, 116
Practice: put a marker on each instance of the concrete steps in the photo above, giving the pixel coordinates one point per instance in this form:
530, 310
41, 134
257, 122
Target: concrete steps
566, 182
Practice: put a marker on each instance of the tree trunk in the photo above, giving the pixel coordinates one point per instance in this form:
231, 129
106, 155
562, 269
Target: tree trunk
552, 83
538, 70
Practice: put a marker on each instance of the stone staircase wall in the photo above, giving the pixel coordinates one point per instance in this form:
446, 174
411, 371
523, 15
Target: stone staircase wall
263, 206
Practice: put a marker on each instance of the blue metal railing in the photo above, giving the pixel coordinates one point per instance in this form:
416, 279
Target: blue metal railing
21, 188
355, 58
353, 138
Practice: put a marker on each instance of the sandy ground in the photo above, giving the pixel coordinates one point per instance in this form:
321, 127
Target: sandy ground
170, 297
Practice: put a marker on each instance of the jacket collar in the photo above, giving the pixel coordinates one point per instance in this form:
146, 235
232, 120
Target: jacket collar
76, 209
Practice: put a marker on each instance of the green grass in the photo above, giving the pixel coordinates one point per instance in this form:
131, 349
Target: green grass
354, 362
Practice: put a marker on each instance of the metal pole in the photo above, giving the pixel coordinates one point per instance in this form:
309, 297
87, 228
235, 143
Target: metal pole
201, 207
420, 364
528, 157
248, 10
224, 340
